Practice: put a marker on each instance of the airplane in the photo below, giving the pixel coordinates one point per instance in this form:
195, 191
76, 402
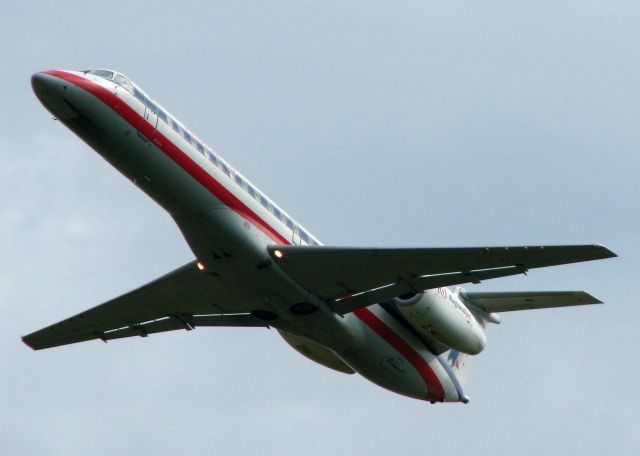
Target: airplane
387, 314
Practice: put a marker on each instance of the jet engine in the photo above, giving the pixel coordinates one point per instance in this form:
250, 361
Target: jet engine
441, 315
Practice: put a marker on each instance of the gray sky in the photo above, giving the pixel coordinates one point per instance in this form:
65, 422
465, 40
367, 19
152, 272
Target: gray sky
373, 123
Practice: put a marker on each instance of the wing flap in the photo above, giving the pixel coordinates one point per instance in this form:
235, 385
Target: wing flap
512, 301
143, 329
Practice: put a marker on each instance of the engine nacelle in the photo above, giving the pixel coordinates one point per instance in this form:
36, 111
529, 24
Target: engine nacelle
441, 315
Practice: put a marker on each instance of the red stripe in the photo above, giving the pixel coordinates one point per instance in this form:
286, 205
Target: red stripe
435, 392
434, 387
173, 151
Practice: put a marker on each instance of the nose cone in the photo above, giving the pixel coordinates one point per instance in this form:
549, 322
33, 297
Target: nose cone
51, 92
43, 83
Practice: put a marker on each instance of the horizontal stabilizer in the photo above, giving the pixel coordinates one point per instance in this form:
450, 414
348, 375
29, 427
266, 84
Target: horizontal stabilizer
510, 301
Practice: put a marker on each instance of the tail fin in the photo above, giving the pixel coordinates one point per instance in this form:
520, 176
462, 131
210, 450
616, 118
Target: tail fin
459, 364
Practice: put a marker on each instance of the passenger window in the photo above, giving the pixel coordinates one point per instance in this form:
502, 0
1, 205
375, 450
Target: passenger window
264, 201
200, 147
162, 115
187, 136
276, 212
304, 236
225, 169
251, 191
214, 159
288, 222
139, 95
239, 180
175, 126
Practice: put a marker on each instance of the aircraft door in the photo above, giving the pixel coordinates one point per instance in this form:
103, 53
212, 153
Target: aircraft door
149, 123
295, 239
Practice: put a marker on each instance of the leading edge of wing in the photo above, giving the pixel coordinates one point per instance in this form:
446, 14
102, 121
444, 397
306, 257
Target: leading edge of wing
580, 252
355, 277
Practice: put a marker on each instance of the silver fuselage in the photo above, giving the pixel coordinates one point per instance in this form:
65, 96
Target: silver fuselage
228, 225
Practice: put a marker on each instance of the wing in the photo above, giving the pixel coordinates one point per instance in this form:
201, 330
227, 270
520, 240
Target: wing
510, 301
356, 277
181, 299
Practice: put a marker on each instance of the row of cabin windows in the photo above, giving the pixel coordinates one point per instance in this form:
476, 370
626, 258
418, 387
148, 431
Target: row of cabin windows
213, 158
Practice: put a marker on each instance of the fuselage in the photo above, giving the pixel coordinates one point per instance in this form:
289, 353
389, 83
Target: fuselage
228, 224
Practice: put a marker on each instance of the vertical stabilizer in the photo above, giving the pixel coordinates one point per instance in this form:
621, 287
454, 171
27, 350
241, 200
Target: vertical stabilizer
459, 364
456, 364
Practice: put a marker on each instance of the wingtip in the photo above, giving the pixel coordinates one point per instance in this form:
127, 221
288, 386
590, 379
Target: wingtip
606, 253
590, 298
595, 300
26, 342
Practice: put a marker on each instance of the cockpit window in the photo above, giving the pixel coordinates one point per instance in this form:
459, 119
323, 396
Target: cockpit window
123, 81
102, 73
118, 78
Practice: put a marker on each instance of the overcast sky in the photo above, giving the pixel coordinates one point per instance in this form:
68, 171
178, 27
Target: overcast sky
373, 123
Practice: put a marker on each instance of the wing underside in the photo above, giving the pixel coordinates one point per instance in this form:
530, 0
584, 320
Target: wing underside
179, 300
347, 278
351, 278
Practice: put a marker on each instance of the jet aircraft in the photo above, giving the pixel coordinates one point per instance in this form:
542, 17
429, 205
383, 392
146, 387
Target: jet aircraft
384, 313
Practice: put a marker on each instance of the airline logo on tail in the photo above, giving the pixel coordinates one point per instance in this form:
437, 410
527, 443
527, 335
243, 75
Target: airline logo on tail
454, 359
